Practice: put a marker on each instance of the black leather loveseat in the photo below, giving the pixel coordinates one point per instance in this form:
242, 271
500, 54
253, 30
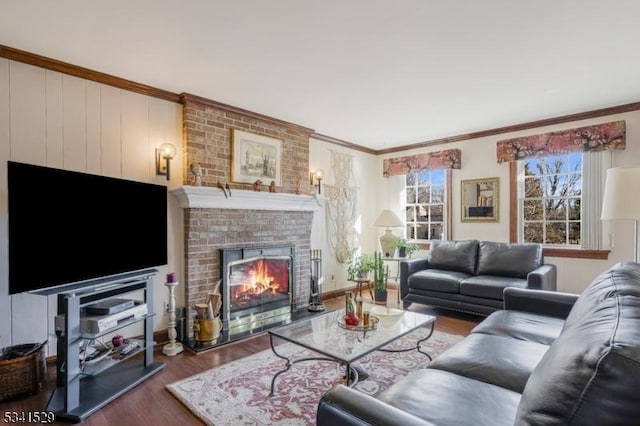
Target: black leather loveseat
548, 359
471, 275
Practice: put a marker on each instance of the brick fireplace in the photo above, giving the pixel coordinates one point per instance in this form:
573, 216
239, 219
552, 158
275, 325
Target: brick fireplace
250, 220
246, 219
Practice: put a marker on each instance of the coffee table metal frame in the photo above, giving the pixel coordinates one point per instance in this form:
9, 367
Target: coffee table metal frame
322, 334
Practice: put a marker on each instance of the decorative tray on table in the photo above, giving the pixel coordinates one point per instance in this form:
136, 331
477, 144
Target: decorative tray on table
373, 324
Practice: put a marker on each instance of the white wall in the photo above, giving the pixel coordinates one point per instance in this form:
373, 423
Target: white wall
364, 178
479, 161
53, 119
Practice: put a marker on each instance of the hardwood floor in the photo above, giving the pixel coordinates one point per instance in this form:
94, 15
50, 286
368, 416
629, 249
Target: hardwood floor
151, 404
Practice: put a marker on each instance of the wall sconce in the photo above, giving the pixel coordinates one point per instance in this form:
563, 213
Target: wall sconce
164, 155
315, 179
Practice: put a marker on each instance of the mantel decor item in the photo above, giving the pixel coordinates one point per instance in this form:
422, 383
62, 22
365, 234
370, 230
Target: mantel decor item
255, 158
388, 219
621, 199
480, 200
173, 347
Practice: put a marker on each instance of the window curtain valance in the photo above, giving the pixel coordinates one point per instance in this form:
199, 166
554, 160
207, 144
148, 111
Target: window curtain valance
447, 159
601, 137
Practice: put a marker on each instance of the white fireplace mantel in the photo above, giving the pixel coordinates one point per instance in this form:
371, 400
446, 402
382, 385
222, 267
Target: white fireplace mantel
206, 197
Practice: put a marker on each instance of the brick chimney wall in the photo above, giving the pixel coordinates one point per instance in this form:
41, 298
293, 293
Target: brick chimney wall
207, 134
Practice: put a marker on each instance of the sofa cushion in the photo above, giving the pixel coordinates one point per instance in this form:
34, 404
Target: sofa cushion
489, 287
444, 398
522, 326
498, 360
437, 280
620, 278
458, 256
508, 259
591, 373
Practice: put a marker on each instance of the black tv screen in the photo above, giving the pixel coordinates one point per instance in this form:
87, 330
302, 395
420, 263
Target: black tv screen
68, 227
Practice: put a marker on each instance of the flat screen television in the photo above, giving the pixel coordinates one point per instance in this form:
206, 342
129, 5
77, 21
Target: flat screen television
69, 227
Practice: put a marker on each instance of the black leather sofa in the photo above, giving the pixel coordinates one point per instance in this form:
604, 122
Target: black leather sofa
470, 275
548, 359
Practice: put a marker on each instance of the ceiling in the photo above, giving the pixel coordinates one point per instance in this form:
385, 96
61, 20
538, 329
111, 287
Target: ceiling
377, 73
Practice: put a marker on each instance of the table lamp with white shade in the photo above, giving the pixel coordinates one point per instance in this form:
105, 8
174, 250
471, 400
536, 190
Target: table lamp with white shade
388, 219
622, 198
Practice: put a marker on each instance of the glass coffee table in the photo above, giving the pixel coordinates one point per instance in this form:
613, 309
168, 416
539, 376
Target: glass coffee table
327, 335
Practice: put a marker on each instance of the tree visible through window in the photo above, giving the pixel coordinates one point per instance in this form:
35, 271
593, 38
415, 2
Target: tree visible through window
425, 205
550, 199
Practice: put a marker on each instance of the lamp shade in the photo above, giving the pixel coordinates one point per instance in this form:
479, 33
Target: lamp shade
622, 194
388, 219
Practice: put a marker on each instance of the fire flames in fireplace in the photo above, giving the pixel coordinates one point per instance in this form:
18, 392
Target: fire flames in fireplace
258, 281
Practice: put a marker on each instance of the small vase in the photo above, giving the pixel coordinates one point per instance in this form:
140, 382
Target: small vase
402, 252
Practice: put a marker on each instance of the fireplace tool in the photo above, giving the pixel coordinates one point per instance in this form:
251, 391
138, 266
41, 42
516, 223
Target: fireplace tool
315, 298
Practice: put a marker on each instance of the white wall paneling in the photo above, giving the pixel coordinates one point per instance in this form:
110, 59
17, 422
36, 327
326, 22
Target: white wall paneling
53, 119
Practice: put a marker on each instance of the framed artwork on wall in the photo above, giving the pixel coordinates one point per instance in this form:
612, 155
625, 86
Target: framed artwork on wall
255, 157
480, 200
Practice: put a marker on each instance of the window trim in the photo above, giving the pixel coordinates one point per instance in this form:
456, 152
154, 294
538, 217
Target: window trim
573, 253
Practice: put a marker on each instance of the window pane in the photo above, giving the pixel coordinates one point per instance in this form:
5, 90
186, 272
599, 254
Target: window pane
437, 214
556, 233
411, 232
532, 210
411, 195
423, 194
437, 194
556, 209
533, 232
410, 179
423, 214
437, 232
422, 231
411, 214
574, 208
532, 187
574, 233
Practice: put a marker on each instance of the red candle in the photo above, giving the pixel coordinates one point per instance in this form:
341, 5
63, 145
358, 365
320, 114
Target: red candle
171, 277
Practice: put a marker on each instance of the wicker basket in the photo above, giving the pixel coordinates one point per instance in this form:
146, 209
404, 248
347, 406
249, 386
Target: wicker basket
22, 370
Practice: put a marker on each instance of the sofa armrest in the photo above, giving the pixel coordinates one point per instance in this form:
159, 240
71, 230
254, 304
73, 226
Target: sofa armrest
408, 267
542, 278
540, 302
342, 405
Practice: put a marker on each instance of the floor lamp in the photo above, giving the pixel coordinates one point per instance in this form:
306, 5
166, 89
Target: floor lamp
622, 199
388, 219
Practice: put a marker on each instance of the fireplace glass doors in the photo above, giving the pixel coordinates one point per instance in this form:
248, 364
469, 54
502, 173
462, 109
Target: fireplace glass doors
257, 292
258, 282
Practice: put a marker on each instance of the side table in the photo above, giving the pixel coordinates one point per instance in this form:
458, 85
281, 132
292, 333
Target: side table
360, 283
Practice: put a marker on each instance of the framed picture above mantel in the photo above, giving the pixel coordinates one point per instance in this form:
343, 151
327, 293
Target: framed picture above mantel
480, 200
255, 157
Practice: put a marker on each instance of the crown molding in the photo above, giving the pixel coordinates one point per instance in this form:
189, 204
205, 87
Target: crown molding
87, 74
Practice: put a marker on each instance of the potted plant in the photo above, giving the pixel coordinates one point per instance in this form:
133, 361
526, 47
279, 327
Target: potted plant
405, 248
359, 266
380, 275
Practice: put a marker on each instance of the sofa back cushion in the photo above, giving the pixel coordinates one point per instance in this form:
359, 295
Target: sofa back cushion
460, 256
591, 373
508, 260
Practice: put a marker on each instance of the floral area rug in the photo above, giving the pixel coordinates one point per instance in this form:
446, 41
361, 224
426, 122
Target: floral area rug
237, 393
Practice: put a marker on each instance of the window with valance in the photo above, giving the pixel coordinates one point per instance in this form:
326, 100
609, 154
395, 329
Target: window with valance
559, 186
